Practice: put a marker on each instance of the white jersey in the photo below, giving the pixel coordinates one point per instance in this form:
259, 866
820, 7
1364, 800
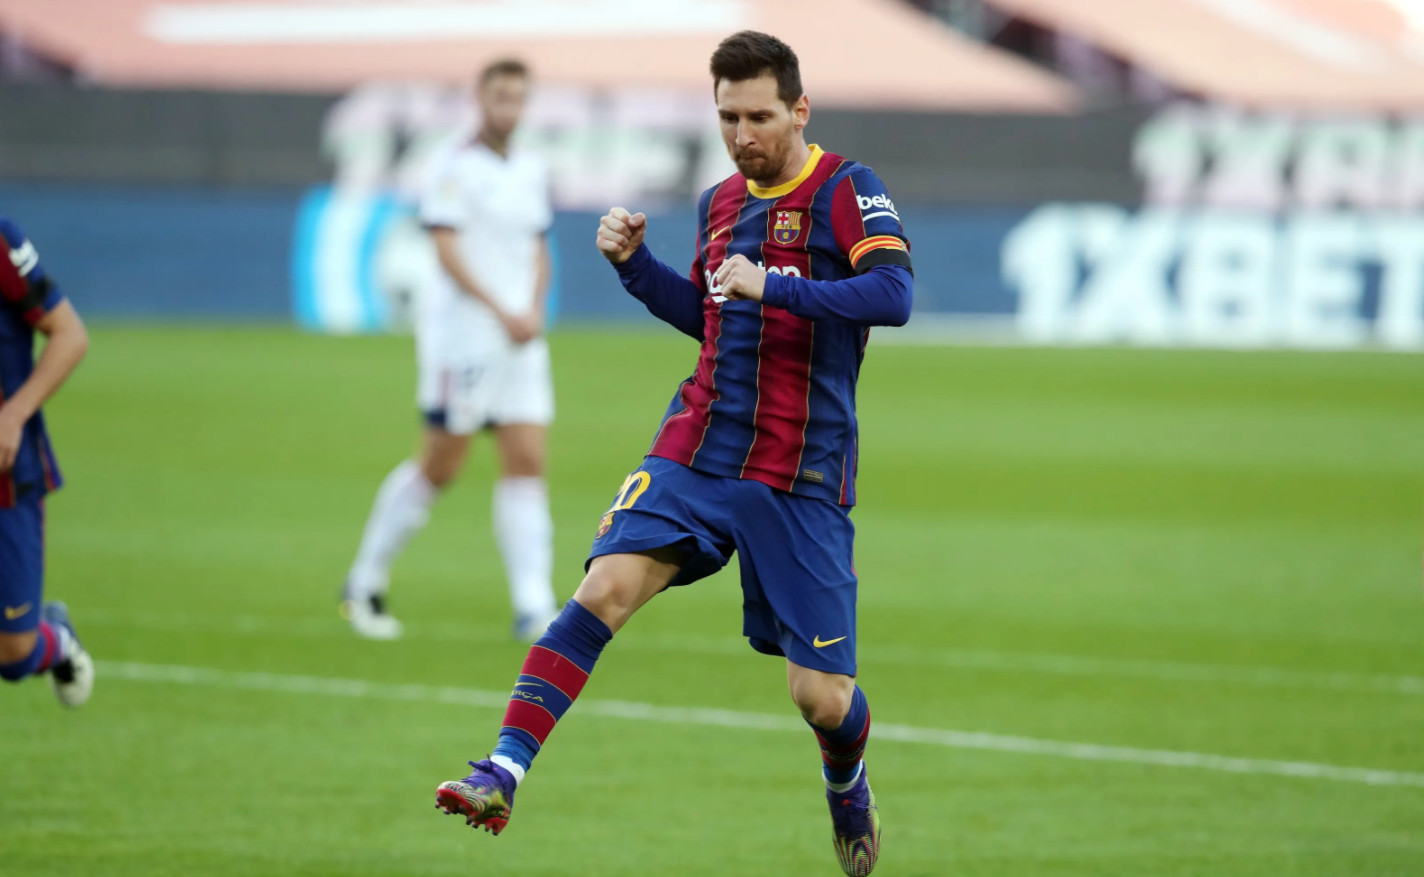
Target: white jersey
499, 206
471, 374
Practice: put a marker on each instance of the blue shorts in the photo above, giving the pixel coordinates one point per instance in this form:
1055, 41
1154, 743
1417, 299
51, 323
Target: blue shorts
22, 564
798, 576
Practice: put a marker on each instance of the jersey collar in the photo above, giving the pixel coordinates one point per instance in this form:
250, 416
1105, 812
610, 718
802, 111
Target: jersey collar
789, 186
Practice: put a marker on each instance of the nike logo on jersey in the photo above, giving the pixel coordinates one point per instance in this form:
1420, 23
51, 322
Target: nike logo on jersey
13, 612
821, 644
717, 232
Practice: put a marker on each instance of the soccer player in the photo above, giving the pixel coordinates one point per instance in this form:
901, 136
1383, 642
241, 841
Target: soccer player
35, 637
798, 254
483, 362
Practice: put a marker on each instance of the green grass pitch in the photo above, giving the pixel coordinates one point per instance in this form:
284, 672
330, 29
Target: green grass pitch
1198, 552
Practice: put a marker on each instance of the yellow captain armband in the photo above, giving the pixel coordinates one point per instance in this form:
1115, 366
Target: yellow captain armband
871, 244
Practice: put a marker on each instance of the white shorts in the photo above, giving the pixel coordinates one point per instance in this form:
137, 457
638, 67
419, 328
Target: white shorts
463, 394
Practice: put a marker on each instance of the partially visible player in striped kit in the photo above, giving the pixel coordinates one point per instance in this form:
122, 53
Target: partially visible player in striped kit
36, 637
799, 254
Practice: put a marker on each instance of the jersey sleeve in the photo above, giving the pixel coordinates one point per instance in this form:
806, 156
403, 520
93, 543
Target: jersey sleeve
24, 286
866, 223
441, 205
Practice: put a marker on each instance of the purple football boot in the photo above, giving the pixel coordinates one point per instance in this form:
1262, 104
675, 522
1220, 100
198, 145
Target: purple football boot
485, 797
856, 825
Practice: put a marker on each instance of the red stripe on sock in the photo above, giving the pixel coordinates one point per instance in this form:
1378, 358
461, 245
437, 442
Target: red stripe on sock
555, 669
531, 718
49, 643
847, 755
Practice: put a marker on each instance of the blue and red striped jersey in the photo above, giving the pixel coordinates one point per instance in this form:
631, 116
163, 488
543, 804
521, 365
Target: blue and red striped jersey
773, 395
26, 295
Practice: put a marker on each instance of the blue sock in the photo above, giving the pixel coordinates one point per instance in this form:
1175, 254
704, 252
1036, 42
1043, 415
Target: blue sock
843, 748
554, 673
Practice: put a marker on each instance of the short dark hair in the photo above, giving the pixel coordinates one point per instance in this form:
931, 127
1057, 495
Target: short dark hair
749, 54
502, 67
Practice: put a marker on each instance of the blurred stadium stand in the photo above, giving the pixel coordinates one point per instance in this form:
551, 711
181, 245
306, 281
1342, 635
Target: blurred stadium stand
306, 47
1300, 54
1062, 165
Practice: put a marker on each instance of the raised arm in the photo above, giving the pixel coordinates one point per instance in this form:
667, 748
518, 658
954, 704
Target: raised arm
666, 294
880, 297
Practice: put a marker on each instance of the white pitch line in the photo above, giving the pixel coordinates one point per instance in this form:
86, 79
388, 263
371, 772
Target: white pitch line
958, 659
645, 712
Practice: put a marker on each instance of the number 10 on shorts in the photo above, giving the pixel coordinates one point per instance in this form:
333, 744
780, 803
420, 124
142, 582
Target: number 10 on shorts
633, 487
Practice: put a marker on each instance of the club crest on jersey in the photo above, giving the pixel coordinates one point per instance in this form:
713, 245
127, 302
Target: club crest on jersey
788, 226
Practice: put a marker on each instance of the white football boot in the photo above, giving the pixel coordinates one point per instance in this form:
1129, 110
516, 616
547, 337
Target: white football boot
72, 674
370, 619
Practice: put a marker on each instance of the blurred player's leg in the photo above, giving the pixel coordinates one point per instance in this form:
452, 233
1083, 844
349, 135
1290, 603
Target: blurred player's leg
28, 645
524, 528
522, 408
401, 509
52, 648
23, 655
36, 637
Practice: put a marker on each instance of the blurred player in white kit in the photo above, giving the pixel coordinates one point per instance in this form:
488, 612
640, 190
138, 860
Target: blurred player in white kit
483, 362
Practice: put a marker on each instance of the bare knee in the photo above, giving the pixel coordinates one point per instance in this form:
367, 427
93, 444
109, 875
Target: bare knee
439, 473
16, 647
442, 456
826, 709
823, 698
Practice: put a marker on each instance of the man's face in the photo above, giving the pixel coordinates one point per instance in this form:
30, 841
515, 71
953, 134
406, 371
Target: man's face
757, 126
502, 103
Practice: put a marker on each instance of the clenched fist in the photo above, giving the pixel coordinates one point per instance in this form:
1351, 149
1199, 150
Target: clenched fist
620, 233
738, 279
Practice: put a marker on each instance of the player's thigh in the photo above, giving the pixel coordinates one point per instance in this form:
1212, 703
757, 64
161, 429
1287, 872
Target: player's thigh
523, 388
521, 448
618, 585
798, 578
21, 566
